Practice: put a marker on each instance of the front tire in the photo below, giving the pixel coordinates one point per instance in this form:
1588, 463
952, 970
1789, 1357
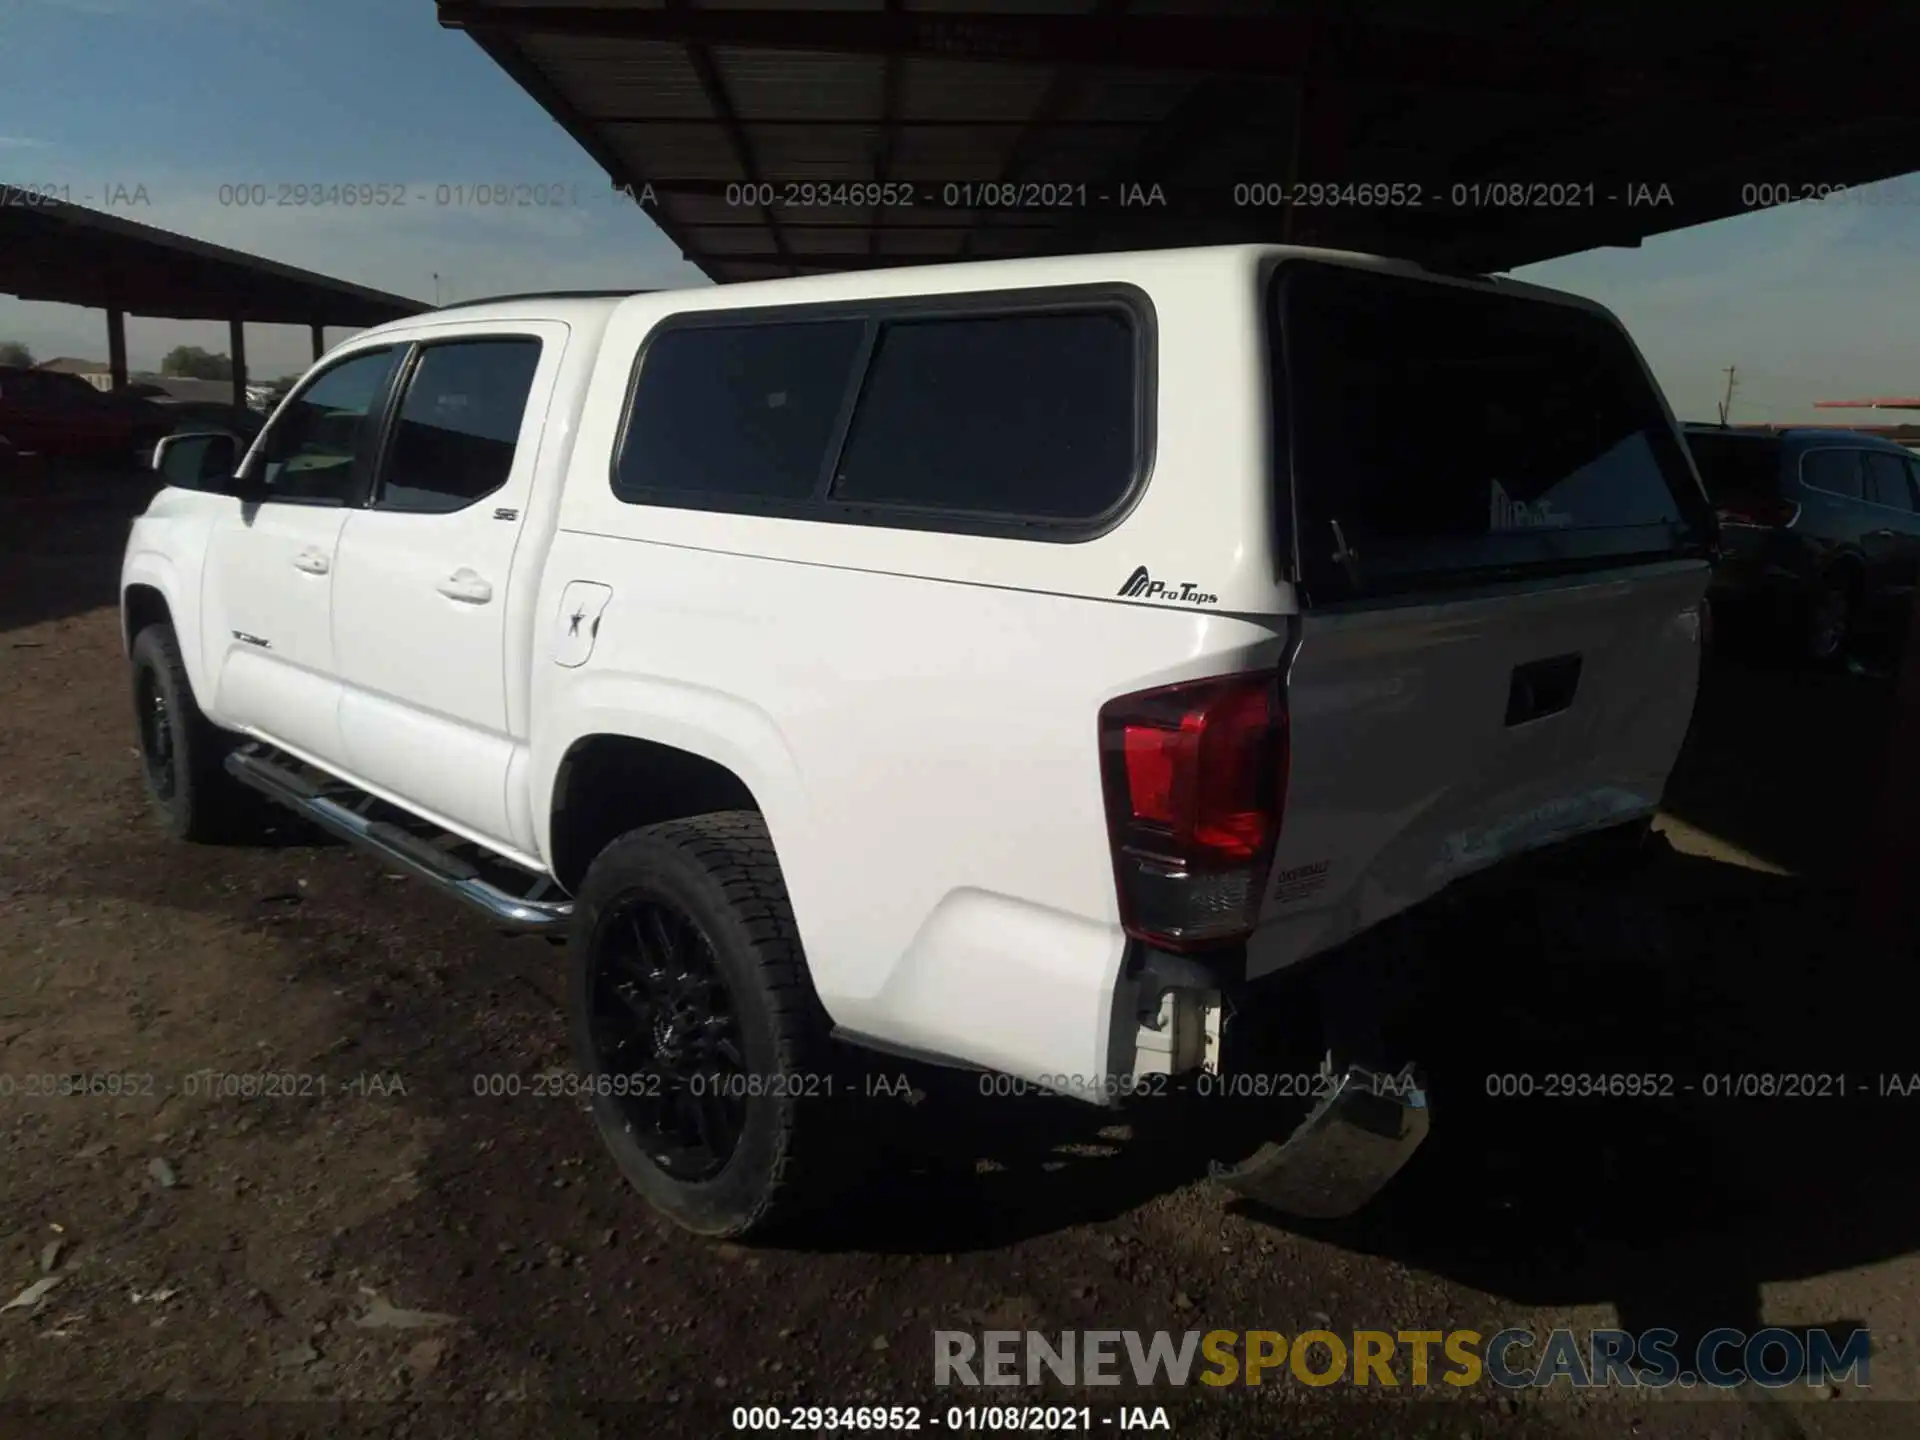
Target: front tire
183, 754
707, 1054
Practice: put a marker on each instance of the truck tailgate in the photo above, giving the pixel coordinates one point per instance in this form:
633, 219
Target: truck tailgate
1503, 548
1429, 740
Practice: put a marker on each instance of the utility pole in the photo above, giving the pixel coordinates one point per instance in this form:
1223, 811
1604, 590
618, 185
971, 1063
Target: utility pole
1726, 404
436, 288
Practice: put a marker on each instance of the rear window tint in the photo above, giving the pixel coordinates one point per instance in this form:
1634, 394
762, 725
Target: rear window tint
1835, 471
1736, 465
1016, 415
1439, 434
741, 411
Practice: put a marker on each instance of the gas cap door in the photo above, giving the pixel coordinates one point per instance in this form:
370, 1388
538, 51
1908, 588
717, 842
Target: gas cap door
577, 625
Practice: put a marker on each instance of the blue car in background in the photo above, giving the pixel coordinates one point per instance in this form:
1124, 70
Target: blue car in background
1819, 538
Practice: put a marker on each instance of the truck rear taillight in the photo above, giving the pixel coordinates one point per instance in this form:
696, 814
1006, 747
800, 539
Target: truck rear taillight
1758, 512
1195, 778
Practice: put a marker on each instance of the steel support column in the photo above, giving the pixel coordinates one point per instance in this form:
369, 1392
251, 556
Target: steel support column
237, 348
117, 346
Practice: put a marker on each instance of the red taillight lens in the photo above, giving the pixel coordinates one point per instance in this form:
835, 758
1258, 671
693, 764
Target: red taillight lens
1759, 511
1195, 780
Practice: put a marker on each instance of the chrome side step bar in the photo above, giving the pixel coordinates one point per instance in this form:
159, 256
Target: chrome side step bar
319, 797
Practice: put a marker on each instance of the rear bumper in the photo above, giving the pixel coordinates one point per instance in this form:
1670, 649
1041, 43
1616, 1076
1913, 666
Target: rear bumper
995, 983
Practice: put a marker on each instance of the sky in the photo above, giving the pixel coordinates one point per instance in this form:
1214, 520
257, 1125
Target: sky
172, 114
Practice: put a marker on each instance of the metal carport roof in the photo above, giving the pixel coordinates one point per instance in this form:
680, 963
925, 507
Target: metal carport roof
50, 250
1632, 119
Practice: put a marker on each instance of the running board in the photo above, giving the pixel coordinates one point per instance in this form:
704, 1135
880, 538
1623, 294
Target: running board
320, 797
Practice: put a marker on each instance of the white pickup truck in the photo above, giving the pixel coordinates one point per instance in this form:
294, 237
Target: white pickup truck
1025, 666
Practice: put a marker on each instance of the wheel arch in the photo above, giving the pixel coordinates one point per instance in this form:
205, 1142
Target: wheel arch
142, 604
608, 782
153, 591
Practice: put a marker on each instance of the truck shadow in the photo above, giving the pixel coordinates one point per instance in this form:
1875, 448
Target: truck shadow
1783, 763
1675, 1210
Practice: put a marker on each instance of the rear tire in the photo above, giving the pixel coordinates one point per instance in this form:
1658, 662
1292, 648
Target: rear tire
183, 754
1828, 623
710, 1069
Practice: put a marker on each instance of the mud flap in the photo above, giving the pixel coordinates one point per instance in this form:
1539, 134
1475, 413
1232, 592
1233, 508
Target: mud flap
1359, 1135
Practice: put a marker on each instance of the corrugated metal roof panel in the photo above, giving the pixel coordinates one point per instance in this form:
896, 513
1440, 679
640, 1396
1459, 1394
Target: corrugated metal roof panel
1399, 91
971, 90
797, 85
628, 78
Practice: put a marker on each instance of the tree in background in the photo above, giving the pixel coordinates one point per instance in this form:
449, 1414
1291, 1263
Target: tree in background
191, 362
12, 352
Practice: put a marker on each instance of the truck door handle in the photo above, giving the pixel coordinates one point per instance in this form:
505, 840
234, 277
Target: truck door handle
1542, 688
464, 585
314, 562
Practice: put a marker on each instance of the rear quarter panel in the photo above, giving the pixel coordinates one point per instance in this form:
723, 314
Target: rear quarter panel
926, 755
916, 711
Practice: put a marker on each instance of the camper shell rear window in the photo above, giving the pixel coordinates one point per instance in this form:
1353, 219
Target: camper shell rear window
1438, 434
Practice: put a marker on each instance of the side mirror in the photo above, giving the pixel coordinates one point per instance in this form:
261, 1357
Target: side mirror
201, 460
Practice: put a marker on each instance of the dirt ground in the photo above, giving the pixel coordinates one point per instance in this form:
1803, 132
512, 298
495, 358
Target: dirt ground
388, 1251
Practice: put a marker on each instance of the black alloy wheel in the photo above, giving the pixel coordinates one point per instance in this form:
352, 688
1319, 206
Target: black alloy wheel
707, 1057
155, 719
666, 1036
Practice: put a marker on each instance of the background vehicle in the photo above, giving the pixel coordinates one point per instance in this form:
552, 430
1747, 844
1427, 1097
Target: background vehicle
936, 662
192, 417
1819, 537
62, 417
197, 415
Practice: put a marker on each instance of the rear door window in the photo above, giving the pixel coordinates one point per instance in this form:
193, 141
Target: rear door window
1439, 434
1837, 472
1887, 480
459, 424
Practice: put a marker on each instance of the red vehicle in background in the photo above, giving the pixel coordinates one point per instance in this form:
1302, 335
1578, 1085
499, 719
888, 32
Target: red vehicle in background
61, 417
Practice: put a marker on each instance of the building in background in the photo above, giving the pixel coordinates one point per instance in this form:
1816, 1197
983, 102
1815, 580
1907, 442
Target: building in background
96, 373
146, 384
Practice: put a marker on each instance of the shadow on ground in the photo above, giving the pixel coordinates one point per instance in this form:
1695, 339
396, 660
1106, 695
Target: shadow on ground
1678, 1210
1784, 763
62, 533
